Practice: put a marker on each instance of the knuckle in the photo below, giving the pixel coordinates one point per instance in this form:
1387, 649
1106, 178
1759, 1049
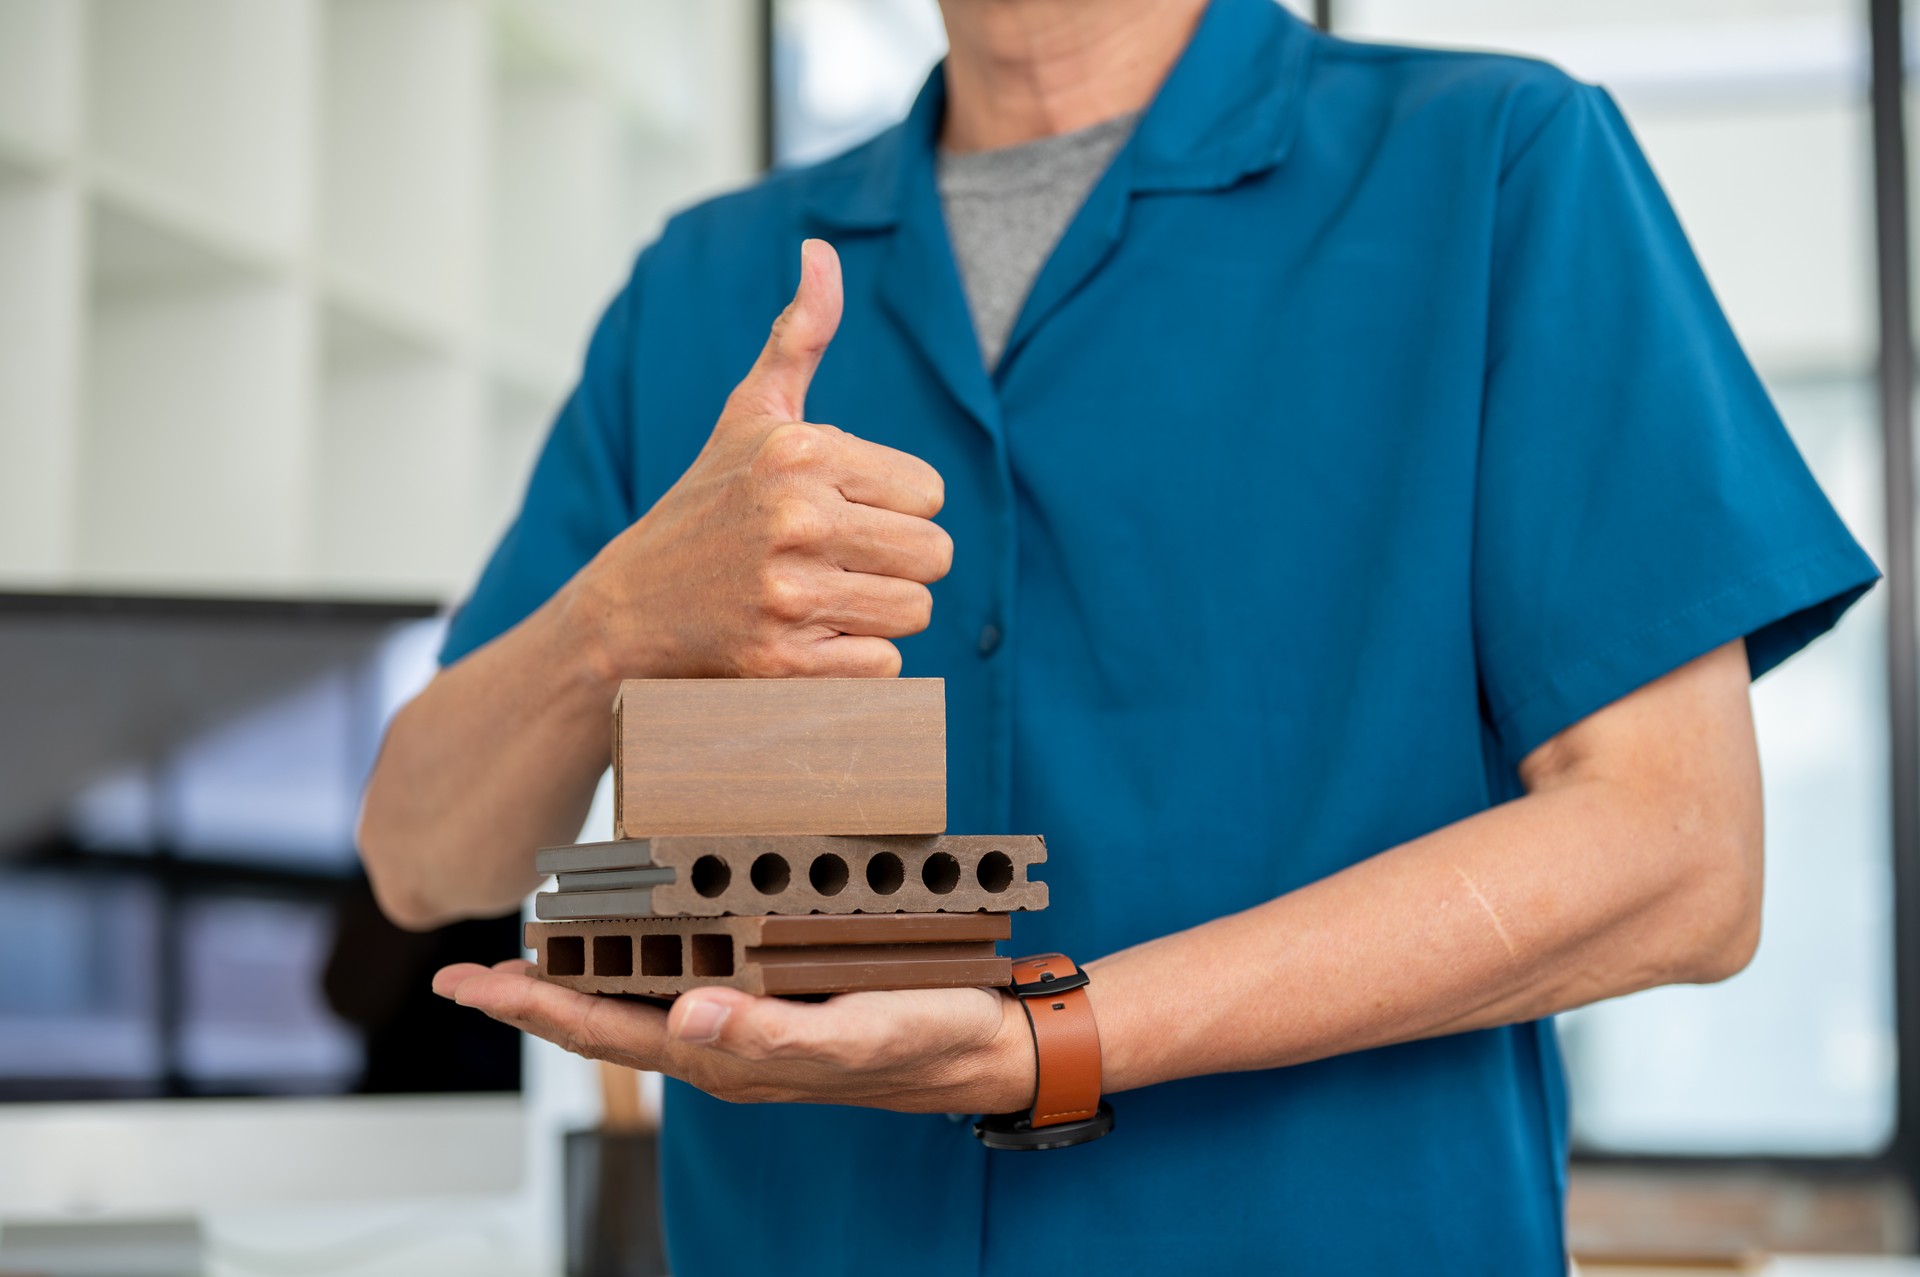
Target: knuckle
784, 596
794, 524
782, 326
791, 447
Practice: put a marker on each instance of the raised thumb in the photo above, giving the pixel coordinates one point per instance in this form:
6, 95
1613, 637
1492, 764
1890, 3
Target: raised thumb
780, 377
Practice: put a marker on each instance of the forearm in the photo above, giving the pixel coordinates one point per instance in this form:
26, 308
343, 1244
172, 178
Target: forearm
1535, 907
498, 756
1635, 860
1547, 903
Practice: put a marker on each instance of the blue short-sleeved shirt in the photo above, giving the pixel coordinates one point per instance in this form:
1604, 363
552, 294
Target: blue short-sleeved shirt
1370, 424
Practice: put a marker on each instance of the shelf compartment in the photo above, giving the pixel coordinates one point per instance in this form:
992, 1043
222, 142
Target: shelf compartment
403, 144
40, 74
192, 440
208, 102
393, 462
140, 245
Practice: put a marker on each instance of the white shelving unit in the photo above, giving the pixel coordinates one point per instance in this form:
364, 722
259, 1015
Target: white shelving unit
290, 289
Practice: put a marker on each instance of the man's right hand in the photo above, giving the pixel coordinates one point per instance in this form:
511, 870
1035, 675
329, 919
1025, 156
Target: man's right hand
788, 548
785, 549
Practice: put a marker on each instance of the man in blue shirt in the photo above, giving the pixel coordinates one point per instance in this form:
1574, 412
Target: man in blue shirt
1353, 564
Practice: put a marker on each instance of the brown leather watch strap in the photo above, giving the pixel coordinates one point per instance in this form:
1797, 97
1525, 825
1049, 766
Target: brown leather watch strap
1066, 1042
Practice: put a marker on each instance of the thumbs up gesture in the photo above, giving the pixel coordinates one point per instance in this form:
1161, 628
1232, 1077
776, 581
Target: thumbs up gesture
788, 548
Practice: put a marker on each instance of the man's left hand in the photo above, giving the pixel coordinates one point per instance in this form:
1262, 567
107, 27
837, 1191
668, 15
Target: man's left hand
926, 1051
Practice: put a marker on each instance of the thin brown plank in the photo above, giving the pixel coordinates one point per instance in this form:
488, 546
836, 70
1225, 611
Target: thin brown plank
907, 973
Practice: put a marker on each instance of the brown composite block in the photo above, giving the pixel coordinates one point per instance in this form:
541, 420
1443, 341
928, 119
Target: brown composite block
780, 756
795, 873
661, 957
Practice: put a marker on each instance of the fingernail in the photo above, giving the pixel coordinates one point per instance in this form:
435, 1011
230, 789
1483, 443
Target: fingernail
702, 1022
806, 255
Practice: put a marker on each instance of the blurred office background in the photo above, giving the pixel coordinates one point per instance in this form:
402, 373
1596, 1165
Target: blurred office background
289, 290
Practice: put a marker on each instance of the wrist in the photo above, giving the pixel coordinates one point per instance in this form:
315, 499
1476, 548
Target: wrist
1065, 1107
1116, 1068
1010, 1076
593, 635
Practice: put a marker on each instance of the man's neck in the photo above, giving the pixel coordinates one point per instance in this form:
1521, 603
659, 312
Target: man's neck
1020, 70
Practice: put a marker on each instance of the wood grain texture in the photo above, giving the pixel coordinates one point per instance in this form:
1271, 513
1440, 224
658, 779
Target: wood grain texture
620, 1106
662, 957
709, 875
780, 756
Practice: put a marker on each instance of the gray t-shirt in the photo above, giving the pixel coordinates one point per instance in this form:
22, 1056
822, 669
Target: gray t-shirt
1006, 209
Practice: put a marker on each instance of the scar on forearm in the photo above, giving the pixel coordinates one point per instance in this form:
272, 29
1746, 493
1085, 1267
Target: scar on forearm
1493, 915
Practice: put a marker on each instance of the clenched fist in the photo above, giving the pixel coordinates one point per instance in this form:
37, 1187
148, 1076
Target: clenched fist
787, 548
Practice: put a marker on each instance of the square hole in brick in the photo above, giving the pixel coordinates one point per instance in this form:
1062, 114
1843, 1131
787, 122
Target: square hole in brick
713, 955
659, 955
566, 955
613, 955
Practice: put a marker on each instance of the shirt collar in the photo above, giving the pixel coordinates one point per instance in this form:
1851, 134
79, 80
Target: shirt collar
1226, 111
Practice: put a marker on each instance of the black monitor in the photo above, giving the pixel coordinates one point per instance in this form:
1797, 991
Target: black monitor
182, 912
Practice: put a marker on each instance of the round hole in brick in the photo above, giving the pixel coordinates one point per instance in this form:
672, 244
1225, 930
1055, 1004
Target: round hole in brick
711, 876
885, 873
770, 874
828, 874
941, 873
995, 871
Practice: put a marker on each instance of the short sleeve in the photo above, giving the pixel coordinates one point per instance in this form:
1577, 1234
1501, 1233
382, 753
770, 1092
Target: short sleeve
580, 495
1639, 502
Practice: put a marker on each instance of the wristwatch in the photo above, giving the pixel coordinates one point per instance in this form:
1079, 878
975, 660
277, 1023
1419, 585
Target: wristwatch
1067, 1108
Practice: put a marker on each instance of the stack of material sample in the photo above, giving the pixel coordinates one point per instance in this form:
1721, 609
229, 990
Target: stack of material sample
782, 837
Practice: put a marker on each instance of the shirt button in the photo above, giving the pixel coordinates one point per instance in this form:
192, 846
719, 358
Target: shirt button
989, 639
